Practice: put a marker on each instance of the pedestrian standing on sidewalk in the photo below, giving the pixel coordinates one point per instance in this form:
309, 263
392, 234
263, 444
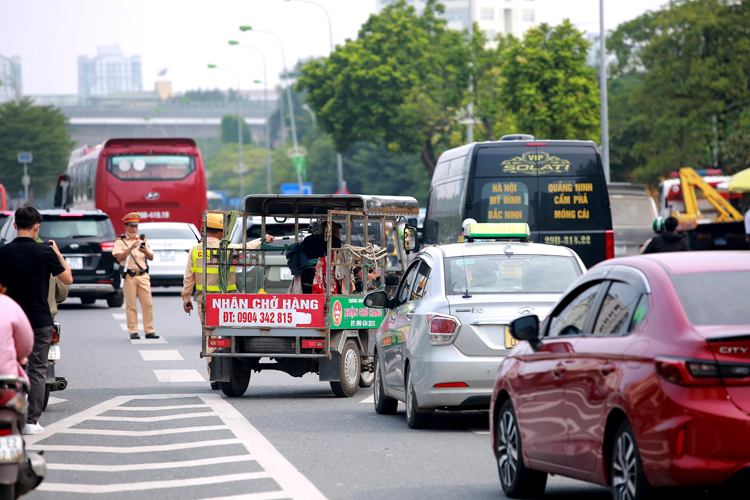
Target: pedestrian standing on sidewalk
133, 254
25, 268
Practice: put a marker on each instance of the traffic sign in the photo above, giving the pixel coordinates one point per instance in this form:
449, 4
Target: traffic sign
25, 158
234, 202
299, 162
294, 188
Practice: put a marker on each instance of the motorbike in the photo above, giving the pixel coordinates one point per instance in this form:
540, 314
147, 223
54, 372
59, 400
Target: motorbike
53, 383
20, 471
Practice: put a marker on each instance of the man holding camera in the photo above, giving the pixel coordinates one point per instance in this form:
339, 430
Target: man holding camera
133, 254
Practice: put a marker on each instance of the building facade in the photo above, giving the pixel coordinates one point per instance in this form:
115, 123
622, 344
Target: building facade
10, 76
109, 72
494, 17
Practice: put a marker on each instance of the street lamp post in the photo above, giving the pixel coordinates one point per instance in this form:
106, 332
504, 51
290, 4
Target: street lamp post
288, 96
339, 166
603, 90
265, 111
239, 128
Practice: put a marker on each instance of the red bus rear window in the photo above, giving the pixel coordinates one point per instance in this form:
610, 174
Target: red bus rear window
158, 167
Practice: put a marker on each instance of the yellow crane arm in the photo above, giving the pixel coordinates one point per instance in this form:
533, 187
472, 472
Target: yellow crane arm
690, 180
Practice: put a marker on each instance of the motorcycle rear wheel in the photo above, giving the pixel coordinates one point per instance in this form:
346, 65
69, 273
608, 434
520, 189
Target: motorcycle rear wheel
7, 492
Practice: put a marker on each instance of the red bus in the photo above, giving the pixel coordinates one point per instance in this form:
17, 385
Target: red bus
161, 179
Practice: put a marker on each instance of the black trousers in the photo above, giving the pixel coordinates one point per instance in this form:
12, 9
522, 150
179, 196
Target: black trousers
308, 276
37, 371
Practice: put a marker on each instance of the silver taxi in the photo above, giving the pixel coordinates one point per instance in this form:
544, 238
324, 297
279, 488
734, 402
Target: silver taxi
444, 334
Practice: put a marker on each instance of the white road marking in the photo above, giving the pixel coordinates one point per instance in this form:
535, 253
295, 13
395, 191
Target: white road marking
179, 376
120, 315
149, 485
53, 400
154, 466
133, 449
181, 430
481, 432
368, 399
143, 341
158, 408
155, 419
161, 356
293, 484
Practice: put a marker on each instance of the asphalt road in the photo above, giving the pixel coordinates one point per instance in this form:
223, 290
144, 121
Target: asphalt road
138, 420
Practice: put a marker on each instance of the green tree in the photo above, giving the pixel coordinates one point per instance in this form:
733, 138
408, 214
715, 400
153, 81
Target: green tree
229, 130
692, 60
41, 130
400, 83
547, 85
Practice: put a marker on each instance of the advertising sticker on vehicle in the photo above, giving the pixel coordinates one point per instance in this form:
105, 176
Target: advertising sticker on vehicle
349, 313
265, 310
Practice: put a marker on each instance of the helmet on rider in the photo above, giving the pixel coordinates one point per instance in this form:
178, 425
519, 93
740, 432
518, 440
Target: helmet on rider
658, 225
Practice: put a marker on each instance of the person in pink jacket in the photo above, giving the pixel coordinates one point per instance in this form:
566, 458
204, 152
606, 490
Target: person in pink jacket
16, 337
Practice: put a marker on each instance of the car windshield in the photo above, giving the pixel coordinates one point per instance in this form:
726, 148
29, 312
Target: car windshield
485, 274
631, 210
168, 233
715, 298
75, 227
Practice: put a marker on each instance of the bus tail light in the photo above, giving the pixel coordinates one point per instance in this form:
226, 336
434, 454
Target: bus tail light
609, 244
443, 328
536, 143
107, 246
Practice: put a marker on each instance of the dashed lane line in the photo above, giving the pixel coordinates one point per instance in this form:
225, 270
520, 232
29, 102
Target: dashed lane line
270, 495
53, 400
120, 315
142, 341
161, 355
179, 376
153, 466
159, 408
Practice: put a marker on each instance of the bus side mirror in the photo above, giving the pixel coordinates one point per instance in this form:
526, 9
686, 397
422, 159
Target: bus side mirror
58, 196
376, 299
430, 231
410, 239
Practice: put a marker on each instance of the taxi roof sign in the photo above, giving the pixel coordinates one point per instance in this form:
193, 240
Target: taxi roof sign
506, 231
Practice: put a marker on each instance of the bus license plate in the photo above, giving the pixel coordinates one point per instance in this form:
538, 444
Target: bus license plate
286, 274
54, 353
75, 262
167, 256
510, 342
11, 449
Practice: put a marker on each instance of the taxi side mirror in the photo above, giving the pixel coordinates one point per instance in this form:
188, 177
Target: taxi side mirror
376, 299
410, 239
526, 328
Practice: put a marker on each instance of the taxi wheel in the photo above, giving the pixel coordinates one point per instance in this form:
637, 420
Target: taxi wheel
349, 368
414, 419
383, 404
625, 467
517, 481
239, 379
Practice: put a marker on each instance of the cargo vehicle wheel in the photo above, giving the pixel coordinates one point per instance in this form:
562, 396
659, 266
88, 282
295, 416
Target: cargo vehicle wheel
349, 368
414, 419
366, 379
625, 467
116, 300
383, 404
517, 481
7, 491
239, 379
46, 396
87, 300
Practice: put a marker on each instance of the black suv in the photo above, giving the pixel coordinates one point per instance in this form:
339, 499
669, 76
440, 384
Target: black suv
86, 239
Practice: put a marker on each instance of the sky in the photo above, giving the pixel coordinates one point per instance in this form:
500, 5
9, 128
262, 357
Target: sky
184, 36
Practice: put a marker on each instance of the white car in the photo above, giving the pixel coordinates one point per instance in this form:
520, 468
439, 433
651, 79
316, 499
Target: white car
444, 333
171, 243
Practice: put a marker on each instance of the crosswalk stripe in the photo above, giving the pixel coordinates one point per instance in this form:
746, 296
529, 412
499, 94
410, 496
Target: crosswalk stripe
179, 376
124, 326
53, 400
369, 399
120, 315
152, 466
161, 355
143, 341
134, 449
110, 432
155, 419
149, 485
158, 408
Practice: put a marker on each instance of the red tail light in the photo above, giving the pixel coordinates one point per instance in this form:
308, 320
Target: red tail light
107, 246
443, 328
7, 395
5, 432
536, 143
55, 337
679, 444
313, 344
609, 244
220, 343
698, 372
452, 384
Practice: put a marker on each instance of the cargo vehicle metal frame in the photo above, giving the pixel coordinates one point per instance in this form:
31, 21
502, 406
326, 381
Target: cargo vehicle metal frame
336, 346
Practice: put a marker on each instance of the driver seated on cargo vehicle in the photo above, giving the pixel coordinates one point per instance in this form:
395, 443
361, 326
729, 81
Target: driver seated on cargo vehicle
194, 271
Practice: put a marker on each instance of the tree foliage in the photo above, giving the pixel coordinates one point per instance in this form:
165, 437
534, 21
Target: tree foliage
40, 130
686, 69
229, 130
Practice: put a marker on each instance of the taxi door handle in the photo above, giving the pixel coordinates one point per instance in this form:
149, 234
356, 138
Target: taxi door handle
559, 369
606, 369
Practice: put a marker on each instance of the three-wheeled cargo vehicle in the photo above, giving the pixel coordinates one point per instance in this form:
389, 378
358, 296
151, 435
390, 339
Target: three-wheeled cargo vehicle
321, 325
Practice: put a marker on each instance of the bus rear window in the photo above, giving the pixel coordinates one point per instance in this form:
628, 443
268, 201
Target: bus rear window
537, 161
159, 167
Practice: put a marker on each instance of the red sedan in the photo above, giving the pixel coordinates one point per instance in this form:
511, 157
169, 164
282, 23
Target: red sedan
638, 379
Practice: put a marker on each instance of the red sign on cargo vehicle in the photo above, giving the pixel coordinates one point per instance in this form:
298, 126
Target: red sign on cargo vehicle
265, 310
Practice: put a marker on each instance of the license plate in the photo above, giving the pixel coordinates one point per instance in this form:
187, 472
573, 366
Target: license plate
75, 262
54, 353
167, 256
286, 274
510, 342
11, 449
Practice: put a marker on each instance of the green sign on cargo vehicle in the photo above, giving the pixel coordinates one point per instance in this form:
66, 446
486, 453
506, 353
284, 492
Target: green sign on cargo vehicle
350, 313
